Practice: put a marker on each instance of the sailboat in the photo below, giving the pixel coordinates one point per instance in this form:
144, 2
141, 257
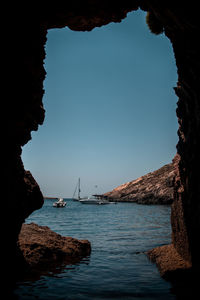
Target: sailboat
95, 199
78, 191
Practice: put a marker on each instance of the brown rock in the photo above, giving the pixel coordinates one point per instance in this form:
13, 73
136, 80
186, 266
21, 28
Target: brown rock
154, 188
43, 248
169, 262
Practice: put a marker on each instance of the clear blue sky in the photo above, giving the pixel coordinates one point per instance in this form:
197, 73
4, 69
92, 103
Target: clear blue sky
110, 108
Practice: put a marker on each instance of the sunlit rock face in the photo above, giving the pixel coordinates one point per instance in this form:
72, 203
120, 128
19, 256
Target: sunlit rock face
27, 27
153, 188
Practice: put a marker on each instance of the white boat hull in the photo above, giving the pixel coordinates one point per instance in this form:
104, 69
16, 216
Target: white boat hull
60, 203
93, 201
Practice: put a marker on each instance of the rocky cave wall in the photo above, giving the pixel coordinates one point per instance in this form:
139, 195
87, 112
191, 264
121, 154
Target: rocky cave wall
25, 52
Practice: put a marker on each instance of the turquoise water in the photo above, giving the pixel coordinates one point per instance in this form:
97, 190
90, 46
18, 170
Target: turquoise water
118, 267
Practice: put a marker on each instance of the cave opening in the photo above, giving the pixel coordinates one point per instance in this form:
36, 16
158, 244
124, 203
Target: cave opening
110, 108
26, 112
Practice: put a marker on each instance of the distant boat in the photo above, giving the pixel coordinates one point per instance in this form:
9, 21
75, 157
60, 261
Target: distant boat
59, 203
77, 191
94, 200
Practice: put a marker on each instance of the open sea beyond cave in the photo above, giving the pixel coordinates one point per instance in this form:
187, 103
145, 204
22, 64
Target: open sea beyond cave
118, 267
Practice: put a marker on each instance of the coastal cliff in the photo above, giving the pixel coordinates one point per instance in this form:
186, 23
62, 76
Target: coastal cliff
153, 188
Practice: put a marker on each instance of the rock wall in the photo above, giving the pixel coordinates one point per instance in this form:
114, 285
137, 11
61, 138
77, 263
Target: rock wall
182, 27
24, 112
26, 27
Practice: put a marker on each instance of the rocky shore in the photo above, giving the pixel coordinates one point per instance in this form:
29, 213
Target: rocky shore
169, 268
153, 188
172, 267
44, 250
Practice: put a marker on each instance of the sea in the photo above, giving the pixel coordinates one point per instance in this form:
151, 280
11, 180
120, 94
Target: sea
118, 267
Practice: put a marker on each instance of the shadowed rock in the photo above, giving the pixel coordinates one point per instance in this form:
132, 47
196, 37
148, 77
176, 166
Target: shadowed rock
169, 262
172, 267
44, 249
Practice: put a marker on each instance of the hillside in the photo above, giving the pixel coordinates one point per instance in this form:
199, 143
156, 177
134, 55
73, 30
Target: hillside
153, 188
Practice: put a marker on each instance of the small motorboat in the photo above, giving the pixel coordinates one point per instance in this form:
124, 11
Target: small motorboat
59, 203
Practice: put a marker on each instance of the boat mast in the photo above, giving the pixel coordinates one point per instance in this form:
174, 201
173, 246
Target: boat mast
79, 189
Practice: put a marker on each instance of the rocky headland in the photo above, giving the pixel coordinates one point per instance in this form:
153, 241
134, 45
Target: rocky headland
153, 188
43, 250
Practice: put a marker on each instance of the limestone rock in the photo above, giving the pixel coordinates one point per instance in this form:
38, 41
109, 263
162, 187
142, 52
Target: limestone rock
169, 262
153, 188
43, 248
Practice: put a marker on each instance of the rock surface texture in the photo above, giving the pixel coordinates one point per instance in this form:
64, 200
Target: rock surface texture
44, 249
169, 262
24, 37
154, 188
